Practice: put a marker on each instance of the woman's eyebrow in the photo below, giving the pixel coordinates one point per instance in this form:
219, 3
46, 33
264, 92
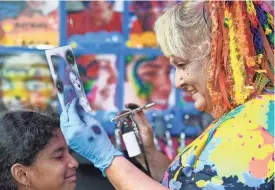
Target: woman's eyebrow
178, 59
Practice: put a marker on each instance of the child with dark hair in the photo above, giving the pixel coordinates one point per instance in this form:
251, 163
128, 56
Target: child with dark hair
34, 154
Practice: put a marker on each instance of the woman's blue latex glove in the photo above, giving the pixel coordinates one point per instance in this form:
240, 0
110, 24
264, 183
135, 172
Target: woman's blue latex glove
86, 136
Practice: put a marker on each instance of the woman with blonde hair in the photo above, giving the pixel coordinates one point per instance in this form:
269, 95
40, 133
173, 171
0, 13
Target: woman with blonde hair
223, 55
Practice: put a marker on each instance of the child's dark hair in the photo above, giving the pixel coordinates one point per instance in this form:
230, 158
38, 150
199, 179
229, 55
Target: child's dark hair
23, 134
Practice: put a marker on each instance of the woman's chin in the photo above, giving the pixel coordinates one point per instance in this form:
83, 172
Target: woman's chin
200, 106
200, 102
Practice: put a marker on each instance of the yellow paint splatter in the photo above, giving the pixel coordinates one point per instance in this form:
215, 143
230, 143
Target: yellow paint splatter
216, 180
248, 142
241, 142
177, 173
201, 183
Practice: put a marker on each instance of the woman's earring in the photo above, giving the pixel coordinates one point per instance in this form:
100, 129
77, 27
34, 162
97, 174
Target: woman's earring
29, 185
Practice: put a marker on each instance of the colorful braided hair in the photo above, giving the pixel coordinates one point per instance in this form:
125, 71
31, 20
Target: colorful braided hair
242, 52
143, 89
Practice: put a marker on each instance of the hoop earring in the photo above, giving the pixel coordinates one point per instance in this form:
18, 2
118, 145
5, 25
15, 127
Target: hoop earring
29, 185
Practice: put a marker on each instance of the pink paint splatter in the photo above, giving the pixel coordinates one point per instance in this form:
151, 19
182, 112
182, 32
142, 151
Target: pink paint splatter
259, 146
240, 136
253, 158
268, 139
165, 178
259, 168
259, 97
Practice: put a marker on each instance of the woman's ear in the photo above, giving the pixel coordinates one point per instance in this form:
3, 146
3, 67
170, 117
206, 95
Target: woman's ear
19, 173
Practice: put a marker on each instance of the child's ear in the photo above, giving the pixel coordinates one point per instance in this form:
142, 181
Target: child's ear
19, 173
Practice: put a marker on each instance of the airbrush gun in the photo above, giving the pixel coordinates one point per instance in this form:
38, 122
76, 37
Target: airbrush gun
130, 135
131, 112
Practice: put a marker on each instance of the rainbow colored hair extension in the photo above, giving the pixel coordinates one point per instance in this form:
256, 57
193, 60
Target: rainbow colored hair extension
237, 65
143, 89
242, 50
215, 70
262, 17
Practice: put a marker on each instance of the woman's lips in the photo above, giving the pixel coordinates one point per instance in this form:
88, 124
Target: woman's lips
194, 96
192, 92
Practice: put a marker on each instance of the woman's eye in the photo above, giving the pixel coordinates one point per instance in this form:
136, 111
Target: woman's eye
182, 65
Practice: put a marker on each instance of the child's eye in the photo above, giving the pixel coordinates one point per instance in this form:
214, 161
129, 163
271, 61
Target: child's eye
59, 157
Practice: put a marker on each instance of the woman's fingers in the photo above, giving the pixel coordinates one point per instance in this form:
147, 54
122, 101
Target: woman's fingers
139, 118
141, 122
131, 106
140, 114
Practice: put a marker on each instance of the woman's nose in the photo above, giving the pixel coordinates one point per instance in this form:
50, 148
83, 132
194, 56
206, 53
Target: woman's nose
178, 80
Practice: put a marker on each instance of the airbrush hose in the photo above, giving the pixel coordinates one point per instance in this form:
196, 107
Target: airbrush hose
140, 144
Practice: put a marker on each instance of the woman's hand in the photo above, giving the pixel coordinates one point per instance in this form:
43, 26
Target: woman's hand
145, 129
86, 136
158, 162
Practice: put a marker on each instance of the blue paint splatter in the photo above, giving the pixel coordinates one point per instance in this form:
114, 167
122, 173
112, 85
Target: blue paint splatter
175, 165
174, 185
187, 171
270, 118
204, 157
213, 186
251, 181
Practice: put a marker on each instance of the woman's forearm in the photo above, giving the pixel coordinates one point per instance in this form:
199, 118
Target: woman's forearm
125, 176
158, 163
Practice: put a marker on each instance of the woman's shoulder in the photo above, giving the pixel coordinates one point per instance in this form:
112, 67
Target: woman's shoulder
253, 120
261, 102
258, 112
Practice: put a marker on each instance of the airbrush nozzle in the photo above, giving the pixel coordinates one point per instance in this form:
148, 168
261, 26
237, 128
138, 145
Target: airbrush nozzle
148, 105
126, 114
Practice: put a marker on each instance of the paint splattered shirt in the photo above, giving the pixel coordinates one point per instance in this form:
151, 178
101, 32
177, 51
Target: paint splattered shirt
235, 153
